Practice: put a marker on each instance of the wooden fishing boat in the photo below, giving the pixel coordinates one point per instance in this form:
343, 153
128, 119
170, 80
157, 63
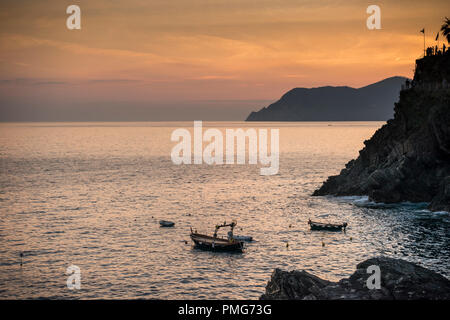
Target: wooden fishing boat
166, 224
327, 226
214, 243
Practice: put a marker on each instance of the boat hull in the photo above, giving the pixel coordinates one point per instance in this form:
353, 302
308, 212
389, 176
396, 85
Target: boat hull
166, 224
326, 226
243, 238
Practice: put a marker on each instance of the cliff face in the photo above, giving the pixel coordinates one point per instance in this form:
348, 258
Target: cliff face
371, 103
400, 280
408, 159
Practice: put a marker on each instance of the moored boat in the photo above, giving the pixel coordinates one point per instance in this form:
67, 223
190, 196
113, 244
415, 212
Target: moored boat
243, 238
327, 226
214, 243
165, 223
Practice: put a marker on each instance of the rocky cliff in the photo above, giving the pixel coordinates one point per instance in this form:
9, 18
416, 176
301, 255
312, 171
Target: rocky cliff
408, 159
400, 280
370, 103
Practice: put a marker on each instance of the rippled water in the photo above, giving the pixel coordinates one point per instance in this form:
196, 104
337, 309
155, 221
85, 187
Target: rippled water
91, 194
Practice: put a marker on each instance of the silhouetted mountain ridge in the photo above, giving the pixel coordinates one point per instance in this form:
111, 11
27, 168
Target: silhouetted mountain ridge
374, 102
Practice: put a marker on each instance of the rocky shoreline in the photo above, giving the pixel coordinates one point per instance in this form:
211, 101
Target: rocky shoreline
400, 280
408, 159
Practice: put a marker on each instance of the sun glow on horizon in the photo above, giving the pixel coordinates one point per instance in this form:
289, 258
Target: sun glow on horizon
201, 50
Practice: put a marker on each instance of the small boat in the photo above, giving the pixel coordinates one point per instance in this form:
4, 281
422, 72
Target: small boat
243, 238
166, 224
327, 226
214, 243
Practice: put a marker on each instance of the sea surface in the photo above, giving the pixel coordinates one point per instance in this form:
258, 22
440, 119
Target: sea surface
91, 195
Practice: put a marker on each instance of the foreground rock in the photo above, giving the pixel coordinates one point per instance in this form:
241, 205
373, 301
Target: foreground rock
400, 280
408, 159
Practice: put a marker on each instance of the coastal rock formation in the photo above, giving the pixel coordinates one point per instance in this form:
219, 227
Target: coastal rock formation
408, 159
400, 280
370, 103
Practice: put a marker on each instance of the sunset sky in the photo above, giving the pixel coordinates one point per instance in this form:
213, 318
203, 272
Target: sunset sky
180, 59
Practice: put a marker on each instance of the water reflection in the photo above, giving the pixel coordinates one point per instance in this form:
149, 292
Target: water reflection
92, 196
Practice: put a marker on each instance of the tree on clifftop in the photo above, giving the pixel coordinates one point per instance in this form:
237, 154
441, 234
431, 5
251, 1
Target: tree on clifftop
445, 29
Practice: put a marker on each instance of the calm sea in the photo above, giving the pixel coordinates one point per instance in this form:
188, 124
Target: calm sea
91, 195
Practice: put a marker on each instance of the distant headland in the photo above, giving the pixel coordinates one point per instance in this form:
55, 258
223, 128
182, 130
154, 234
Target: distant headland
370, 103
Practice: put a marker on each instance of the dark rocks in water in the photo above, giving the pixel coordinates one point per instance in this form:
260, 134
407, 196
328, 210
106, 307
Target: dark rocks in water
441, 202
400, 280
294, 285
370, 103
408, 159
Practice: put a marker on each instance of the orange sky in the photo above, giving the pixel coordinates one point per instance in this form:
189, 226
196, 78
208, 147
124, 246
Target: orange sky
144, 51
